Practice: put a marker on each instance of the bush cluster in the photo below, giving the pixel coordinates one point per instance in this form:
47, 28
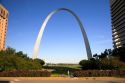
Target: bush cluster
12, 60
25, 73
119, 52
103, 64
99, 73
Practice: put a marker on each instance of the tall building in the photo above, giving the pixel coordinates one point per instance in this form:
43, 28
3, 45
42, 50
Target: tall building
3, 26
118, 22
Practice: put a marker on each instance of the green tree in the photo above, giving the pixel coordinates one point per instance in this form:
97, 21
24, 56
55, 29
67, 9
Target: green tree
39, 61
12, 60
89, 64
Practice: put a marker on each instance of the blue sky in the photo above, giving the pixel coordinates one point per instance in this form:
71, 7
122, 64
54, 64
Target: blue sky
62, 40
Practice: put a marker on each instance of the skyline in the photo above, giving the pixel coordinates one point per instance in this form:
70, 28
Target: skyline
29, 16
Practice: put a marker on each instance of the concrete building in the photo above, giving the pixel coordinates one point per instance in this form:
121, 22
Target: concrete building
3, 26
118, 22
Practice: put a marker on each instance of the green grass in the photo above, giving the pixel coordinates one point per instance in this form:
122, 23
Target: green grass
61, 70
55, 75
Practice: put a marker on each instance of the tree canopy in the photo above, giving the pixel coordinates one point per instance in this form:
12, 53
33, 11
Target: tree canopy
12, 60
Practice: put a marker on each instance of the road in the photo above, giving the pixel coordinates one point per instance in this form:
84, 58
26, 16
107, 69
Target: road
65, 81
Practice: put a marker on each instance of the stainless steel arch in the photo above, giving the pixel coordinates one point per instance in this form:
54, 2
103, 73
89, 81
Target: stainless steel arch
37, 44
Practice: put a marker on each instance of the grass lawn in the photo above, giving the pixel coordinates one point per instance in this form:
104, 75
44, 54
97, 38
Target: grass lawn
62, 70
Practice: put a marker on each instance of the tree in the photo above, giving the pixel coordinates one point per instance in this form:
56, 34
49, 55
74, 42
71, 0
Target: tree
96, 56
12, 60
89, 64
10, 50
39, 61
21, 54
119, 52
107, 52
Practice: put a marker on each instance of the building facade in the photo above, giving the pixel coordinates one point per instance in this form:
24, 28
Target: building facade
3, 26
118, 22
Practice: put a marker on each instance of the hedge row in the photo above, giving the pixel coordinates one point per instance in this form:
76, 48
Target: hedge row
99, 73
25, 73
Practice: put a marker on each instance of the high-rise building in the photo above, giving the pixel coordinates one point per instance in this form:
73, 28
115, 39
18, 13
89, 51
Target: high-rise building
3, 26
118, 22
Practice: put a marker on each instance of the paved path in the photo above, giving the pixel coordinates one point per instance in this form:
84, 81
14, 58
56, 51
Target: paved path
65, 81
61, 80
70, 81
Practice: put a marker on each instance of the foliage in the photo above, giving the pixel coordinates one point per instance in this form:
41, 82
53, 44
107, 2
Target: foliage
12, 60
39, 61
25, 73
102, 64
107, 53
89, 64
119, 52
109, 59
108, 63
99, 73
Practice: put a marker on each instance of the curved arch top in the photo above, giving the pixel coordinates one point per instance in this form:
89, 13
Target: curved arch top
38, 40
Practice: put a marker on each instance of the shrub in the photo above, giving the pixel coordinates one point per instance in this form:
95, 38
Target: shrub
25, 73
89, 64
12, 60
39, 61
103, 64
99, 73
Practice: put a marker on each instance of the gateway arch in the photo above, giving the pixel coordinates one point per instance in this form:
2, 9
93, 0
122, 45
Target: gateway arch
38, 40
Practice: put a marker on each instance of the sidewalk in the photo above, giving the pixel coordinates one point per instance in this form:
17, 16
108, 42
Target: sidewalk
60, 78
